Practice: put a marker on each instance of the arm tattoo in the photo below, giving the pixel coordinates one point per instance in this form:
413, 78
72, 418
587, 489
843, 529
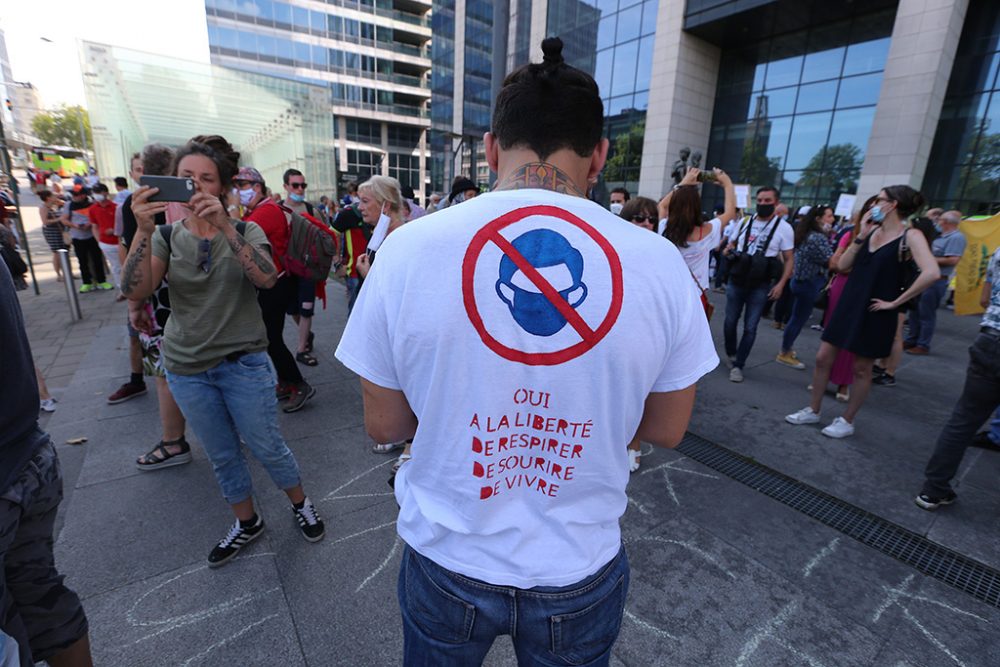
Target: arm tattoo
540, 175
132, 274
238, 243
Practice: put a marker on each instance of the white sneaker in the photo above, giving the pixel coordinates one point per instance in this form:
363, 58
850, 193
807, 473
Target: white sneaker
736, 375
49, 405
803, 416
633, 460
839, 428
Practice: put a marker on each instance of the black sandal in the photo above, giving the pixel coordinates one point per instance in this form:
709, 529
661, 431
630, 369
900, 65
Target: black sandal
159, 457
306, 358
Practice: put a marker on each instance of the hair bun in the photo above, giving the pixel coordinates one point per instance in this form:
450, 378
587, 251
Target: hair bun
552, 51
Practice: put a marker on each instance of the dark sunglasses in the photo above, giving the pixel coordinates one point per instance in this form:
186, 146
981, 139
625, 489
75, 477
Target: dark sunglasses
296, 186
243, 184
643, 218
205, 255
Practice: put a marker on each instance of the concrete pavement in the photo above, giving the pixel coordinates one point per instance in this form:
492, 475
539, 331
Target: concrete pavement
721, 574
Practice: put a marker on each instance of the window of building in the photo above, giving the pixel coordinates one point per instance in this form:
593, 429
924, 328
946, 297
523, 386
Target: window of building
363, 164
963, 171
363, 131
405, 169
796, 110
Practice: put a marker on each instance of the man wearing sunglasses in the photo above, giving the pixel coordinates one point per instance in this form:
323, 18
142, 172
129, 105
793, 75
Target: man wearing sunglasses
295, 188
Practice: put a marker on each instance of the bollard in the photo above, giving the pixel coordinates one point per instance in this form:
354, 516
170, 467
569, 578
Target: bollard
74, 303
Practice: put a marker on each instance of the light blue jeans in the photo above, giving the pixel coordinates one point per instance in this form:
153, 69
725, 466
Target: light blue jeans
236, 399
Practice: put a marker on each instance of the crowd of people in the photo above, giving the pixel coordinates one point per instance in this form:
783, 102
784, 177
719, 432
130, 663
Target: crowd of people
211, 280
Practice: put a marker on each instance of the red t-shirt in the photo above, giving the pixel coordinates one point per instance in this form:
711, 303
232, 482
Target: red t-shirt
272, 220
102, 216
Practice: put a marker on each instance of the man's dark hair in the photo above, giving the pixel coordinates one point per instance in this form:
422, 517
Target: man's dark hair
769, 188
289, 173
622, 191
100, 187
548, 106
156, 159
121, 182
352, 187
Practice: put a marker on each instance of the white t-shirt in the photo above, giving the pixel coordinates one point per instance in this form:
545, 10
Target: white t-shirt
784, 236
696, 253
730, 229
519, 463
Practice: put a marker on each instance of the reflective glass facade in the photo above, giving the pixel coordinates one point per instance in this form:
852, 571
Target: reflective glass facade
964, 167
371, 55
613, 41
136, 98
796, 110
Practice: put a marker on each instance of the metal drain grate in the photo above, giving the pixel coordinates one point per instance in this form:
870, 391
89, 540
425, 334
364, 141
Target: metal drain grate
966, 574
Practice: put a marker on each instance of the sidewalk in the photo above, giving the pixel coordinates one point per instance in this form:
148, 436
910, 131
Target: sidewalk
721, 574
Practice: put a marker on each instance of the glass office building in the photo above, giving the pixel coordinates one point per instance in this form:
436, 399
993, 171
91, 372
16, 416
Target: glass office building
795, 110
137, 98
372, 57
964, 165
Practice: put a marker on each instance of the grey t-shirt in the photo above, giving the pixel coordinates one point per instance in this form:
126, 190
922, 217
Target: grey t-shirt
78, 217
951, 244
213, 313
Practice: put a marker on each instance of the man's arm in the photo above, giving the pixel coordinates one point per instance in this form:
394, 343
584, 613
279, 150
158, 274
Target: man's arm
388, 416
786, 275
984, 296
665, 417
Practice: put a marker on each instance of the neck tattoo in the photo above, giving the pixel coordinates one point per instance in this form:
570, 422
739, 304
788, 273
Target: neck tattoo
540, 175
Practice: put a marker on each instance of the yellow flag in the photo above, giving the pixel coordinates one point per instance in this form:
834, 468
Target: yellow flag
983, 237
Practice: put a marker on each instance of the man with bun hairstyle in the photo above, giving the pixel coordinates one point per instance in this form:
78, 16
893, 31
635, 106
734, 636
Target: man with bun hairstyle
517, 376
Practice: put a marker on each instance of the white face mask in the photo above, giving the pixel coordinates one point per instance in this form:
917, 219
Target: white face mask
616, 208
98, 197
380, 232
246, 196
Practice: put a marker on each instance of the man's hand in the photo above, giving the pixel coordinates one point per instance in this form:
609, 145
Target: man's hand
776, 291
363, 265
139, 319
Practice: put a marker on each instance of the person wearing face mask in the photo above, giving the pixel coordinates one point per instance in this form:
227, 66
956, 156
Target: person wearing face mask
619, 197
462, 189
295, 186
948, 249
865, 320
753, 253
102, 217
812, 260
274, 302
301, 307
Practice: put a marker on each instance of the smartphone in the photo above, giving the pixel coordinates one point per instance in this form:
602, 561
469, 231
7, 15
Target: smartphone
172, 188
707, 177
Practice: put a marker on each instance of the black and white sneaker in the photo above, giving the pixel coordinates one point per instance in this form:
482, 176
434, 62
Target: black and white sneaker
930, 503
309, 522
235, 540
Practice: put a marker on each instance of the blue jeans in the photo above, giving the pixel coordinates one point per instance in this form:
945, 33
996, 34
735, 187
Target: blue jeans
737, 298
236, 399
353, 289
922, 325
995, 428
450, 619
804, 293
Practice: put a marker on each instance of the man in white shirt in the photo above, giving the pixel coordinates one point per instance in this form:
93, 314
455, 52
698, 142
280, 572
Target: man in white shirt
519, 380
755, 274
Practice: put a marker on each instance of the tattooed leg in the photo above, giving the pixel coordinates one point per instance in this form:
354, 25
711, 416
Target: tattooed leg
540, 175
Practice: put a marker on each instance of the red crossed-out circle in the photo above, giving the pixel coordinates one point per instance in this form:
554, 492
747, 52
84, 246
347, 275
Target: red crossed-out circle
589, 337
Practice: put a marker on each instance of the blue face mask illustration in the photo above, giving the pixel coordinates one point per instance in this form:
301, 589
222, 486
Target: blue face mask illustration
532, 311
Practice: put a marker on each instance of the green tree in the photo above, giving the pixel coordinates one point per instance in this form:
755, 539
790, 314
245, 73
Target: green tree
626, 155
842, 164
61, 127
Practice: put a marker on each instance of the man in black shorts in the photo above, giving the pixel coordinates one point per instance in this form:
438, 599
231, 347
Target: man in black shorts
41, 618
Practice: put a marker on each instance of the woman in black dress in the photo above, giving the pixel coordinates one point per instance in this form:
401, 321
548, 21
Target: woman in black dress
864, 321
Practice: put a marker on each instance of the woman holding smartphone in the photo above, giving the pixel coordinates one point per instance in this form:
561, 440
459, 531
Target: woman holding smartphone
864, 321
214, 342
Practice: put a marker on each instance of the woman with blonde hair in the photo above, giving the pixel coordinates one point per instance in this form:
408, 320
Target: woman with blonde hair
381, 206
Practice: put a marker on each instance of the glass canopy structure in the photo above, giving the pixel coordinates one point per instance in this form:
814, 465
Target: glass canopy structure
136, 98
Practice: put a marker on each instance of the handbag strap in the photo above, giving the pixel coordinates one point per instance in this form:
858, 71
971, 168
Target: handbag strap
695, 278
